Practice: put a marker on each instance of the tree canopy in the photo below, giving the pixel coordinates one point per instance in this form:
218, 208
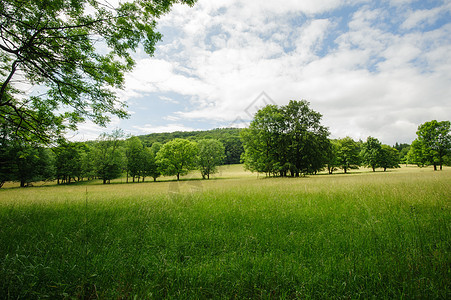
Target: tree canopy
177, 157
347, 154
210, 156
288, 139
371, 152
74, 53
433, 143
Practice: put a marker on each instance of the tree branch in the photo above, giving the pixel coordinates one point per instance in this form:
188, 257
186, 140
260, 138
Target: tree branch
6, 82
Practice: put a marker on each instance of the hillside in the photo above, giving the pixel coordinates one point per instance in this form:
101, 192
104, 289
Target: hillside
230, 137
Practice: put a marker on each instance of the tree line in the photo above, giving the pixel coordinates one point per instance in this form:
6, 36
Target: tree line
280, 141
290, 141
107, 158
229, 137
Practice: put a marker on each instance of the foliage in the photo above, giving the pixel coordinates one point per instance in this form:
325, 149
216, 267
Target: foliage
54, 46
287, 139
32, 164
389, 158
348, 154
135, 157
229, 137
332, 162
68, 161
153, 168
177, 157
371, 152
108, 156
210, 156
433, 143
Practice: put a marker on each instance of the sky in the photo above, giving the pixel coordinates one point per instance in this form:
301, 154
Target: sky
371, 68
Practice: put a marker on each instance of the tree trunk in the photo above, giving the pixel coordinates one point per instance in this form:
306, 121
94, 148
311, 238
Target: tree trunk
435, 167
208, 176
22, 183
178, 176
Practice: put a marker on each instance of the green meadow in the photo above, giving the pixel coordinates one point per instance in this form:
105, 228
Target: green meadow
237, 235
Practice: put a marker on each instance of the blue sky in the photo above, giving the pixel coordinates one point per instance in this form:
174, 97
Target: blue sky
371, 68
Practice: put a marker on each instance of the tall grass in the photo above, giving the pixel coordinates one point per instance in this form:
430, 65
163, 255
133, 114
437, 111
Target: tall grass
382, 235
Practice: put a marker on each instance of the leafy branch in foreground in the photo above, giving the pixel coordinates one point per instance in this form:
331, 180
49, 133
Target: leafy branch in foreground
55, 47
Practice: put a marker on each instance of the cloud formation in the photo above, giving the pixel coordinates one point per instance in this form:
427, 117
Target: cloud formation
371, 68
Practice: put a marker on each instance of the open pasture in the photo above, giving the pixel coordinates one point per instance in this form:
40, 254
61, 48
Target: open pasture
364, 234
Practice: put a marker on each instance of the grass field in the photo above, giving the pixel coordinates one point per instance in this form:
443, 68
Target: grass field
361, 235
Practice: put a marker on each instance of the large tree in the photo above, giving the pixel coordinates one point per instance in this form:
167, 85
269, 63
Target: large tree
264, 140
347, 154
389, 158
211, 154
108, 156
152, 168
74, 54
32, 164
177, 157
286, 140
135, 157
68, 162
371, 153
433, 142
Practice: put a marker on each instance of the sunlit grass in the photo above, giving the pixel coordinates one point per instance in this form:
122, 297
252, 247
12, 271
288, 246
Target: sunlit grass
362, 234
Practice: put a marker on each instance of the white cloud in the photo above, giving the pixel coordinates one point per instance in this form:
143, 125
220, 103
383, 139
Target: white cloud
169, 99
420, 18
366, 77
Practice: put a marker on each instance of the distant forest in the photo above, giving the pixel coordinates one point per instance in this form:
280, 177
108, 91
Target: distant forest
229, 137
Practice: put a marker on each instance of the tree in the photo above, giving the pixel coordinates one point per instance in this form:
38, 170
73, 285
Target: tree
348, 154
389, 158
7, 164
88, 159
108, 157
153, 169
32, 164
53, 46
210, 156
307, 138
135, 157
331, 157
68, 162
416, 155
233, 149
288, 139
263, 144
434, 140
177, 157
371, 152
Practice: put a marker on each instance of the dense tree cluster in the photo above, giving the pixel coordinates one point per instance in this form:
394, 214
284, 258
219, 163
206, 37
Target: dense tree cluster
107, 158
433, 144
289, 140
280, 141
229, 137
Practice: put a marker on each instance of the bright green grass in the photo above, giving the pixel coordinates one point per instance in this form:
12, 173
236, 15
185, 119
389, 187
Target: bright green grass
361, 235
